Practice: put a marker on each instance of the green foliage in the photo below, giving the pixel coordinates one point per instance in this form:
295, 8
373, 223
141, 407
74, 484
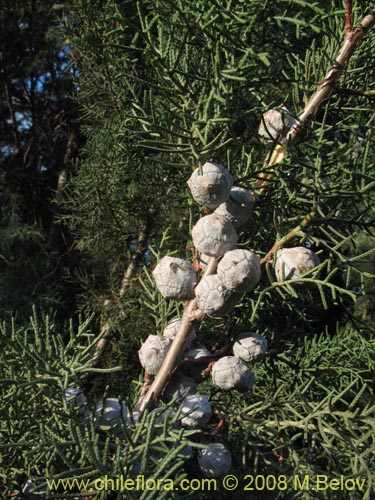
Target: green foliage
163, 87
38, 138
166, 86
28, 260
312, 412
43, 437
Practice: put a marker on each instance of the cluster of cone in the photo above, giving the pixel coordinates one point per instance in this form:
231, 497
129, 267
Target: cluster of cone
238, 271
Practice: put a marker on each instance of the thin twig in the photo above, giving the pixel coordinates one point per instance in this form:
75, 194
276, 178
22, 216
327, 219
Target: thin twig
279, 244
338, 67
147, 382
276, 155
2, 257
48, 275
352, 39
143, 237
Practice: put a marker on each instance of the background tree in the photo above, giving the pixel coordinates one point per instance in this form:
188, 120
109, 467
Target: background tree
39, 138
163, 87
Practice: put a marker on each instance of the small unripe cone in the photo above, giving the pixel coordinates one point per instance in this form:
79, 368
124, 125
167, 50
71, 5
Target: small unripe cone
111, 413
197, 352
275, 123
238, 208
213, 298
28, 487
210, 185
196, 411
162, 414
153, 352
179, 387
75, 397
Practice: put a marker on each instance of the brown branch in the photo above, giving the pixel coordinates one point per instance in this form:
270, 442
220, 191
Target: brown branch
353, 37
12, 115
222, 424
324, 91
102, 343
147, 382
276, 155
207, 371
143, 238
327, 86
348, 18
2, 257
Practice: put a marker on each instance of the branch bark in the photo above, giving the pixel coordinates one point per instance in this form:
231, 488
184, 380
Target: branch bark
353, 37
348, 17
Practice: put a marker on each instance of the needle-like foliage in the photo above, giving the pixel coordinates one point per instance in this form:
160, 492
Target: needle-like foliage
164, 87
